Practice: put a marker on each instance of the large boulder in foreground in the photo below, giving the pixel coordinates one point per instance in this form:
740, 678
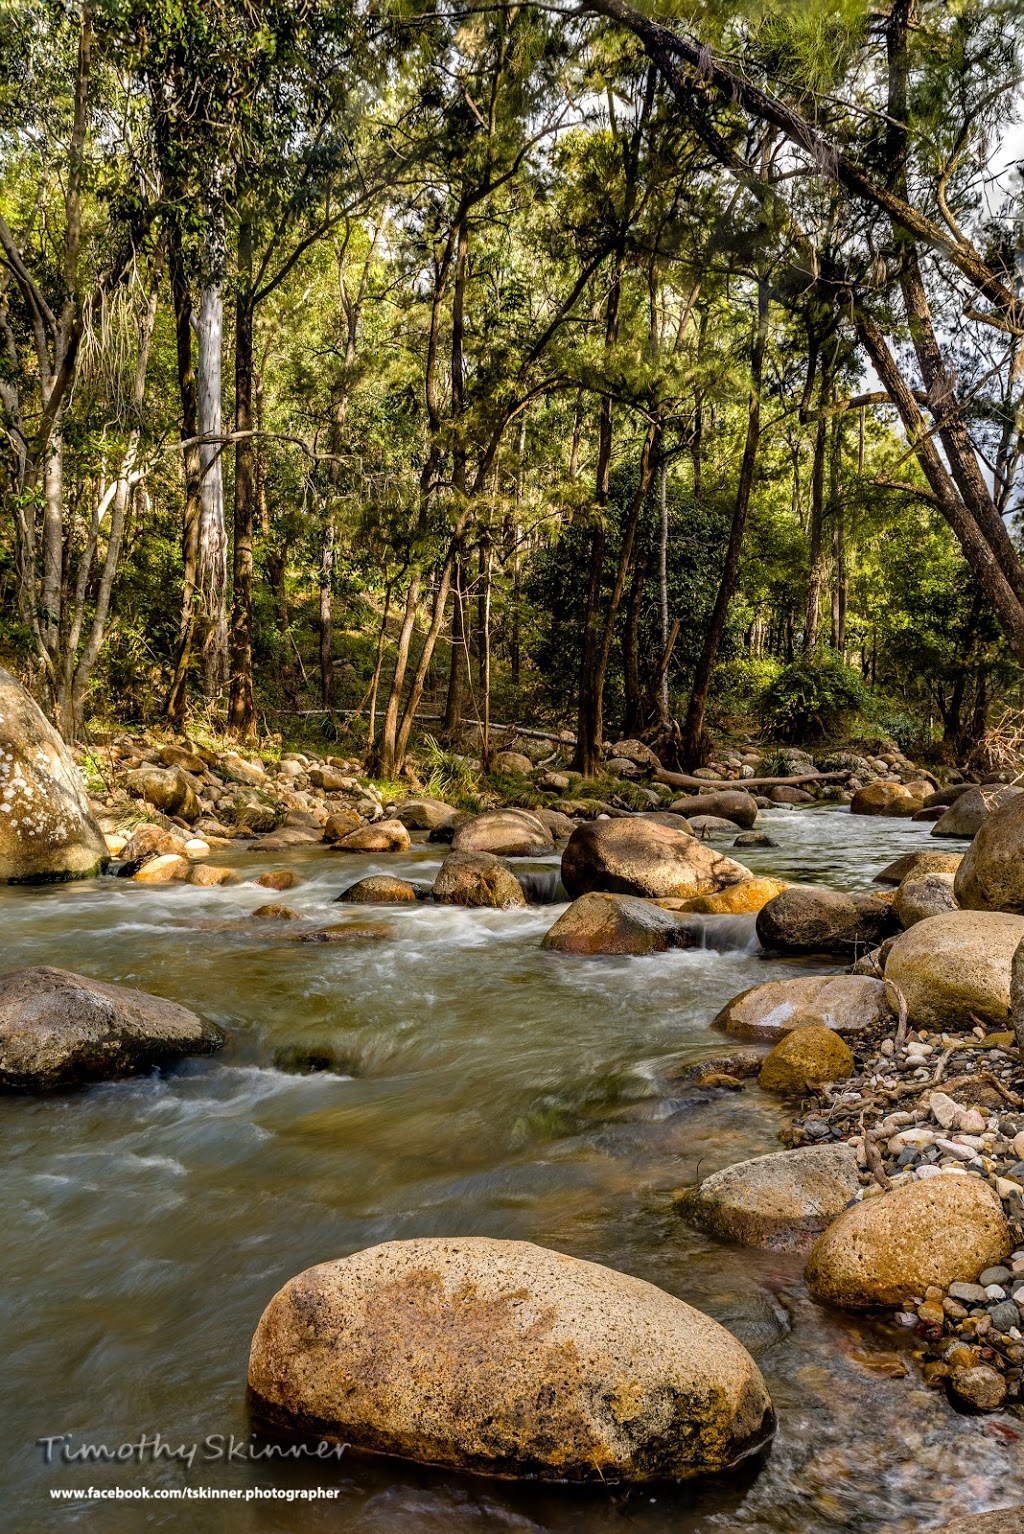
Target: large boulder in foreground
991, 875
478, 879
970, 811
504, 1358
727, 804
844, 1003
58, 1029
887, 1250
808, 920
955, 969
506, 834
637, 856
782, 1200
47, 831
615, 924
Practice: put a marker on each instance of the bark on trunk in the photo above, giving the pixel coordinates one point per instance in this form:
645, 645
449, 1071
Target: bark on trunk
693, 746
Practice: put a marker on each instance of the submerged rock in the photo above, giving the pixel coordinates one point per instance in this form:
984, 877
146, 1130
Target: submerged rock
889, 1249
58, 1029
637, 856
811, 920
956, 967
782, 1200
504, 1358
478, 879
808, 1054
600, 923
47, 831
844, 1003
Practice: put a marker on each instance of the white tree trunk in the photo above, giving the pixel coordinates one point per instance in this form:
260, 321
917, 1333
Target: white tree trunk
213, 547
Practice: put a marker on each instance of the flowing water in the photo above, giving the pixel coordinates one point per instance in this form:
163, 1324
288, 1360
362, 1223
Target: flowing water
477, 1086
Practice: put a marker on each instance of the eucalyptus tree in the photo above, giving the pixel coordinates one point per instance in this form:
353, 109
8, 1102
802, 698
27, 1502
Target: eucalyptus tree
74, 211
889, 121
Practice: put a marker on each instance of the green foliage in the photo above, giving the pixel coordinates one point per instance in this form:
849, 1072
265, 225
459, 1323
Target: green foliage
815, 697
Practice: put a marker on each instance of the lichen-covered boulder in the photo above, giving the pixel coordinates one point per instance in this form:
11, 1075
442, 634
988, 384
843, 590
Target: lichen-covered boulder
505, 833
844, 1003
166, 789
421, 813
600, 923
58, 1029
888, 1249
808, 920
379, 889
638, 856
743, 899
734, 805
888, 799
505, 1358
807, 1055
991, 875
47, 831
919, 863
381, 836
955, 969
782, 1200
923, 895
478, 879
970, 811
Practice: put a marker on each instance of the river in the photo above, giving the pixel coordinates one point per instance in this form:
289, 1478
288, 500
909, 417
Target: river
479, 1087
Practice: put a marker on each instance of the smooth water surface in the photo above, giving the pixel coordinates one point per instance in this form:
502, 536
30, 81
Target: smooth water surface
479, 1087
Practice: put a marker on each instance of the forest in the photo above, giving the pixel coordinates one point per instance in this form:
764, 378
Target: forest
367, 368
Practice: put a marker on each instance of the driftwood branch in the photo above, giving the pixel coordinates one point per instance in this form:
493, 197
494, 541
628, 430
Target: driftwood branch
684, 780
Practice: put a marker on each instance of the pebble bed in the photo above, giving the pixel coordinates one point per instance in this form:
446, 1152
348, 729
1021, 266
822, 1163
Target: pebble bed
940, 1105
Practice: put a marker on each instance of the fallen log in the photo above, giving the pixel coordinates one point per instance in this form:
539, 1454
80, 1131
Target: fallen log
711, 786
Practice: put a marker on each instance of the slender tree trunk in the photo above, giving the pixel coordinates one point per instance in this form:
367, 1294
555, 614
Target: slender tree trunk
241, 710
211, 573
192, 468
326, 584
816, 534
458, 669
664, 713
633, 712
693, 747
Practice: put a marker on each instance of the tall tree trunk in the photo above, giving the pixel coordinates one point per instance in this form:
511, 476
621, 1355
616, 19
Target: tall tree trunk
816, 534
193, 475
664, 712
458, 668
326, 588
588, 728
241, 710
693, 746
211, 572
